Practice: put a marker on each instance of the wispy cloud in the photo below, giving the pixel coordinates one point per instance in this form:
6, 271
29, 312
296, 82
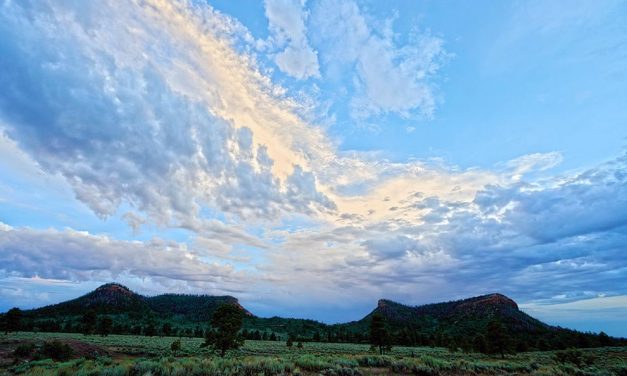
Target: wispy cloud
287, 24
389, 77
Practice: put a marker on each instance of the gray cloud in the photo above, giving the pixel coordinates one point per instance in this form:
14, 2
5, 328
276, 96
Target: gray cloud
79, 256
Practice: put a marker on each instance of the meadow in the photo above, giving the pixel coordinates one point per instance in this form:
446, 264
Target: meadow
122, 355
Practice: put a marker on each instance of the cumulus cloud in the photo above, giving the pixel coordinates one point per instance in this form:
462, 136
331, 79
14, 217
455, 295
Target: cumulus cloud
506, 236
389, 77
170, 121
287, 25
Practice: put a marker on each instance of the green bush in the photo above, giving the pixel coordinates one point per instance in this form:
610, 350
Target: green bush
573, 356
144, 367
424, 370
113, 371
374, 361
24, 350
55, 350
621, 370
312, 363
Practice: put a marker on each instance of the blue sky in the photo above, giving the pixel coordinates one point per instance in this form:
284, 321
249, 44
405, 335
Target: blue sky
312, 157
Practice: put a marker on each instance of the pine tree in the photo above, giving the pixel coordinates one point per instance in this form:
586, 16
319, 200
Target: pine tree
104, 326
166, 329
604, 339
12, 320
498, 341
89, 321
226, 322
379, 336
479, 344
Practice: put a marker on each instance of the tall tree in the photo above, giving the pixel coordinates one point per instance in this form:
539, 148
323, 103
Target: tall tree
604, 339
479, 344
226, 322
379, 336
12, 320
105, 324
166, 329
497, 339
89, 321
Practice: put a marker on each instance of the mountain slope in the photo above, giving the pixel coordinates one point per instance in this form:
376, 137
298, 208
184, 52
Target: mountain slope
110, 298
464, 315
196, 308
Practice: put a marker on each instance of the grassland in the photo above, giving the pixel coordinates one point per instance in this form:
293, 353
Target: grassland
138, 355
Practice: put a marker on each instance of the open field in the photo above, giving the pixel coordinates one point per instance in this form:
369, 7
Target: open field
138, 355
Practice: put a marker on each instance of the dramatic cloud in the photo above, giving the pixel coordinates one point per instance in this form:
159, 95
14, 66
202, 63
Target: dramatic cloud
125, 124
287, 24
157, 113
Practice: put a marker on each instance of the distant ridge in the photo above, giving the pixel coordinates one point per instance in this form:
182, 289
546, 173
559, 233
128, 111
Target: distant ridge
438, 324
463, 317
114, 298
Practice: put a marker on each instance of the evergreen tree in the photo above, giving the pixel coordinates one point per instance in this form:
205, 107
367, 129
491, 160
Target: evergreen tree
604, 339
149, 330
498, 341
89, 321
227, 321
479, 344
379, 336
166, 329
289, 342
104, 326
12, 320
197, 332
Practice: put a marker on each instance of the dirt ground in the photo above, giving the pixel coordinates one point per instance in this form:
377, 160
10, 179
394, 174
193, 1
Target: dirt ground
79, 349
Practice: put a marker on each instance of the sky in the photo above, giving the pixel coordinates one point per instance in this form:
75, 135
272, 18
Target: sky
312, 157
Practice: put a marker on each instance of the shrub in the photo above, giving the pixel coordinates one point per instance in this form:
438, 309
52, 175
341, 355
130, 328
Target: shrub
113, 371
312, 363
175, 346
621, 370
24, 350
56, 350
145, 367
424, 370
374, 361
573, 356
340, 371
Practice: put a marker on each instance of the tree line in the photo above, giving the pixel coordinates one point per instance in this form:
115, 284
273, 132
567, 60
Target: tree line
495, 339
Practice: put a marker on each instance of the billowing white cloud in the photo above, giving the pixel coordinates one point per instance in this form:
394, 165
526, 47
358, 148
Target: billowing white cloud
389, 77
287, 24
170, 121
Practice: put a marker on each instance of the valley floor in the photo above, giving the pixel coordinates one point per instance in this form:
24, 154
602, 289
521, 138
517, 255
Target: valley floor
122, 355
